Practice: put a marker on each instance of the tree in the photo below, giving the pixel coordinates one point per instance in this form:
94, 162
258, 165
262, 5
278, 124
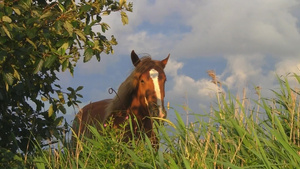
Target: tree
38, 39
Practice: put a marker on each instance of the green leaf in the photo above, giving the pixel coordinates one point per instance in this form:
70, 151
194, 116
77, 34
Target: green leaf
17, 11
186, 162
61, 7
65, 65
87, 30
297, 77
90, 43
8, 78
63, 48
39, 164
8, 9
172, 163
179, 120
80, 34
38, 66
57, 85
104, 27
88, 53
133, 155
29, 41
98, 18
6, 31
58, 121
85, 8
98, 56
70, 89
68, 26
62, 109
50, 60
124, 18
79, 88
6, 19
50, 111
71, 69
16, 74
47, 14
113, 40
79, 95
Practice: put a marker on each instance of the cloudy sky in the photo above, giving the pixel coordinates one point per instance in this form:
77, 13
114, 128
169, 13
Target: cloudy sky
245, 42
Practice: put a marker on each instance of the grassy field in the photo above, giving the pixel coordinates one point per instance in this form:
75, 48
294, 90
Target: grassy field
240, 133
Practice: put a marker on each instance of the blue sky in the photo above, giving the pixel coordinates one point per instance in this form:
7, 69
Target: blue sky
245, 42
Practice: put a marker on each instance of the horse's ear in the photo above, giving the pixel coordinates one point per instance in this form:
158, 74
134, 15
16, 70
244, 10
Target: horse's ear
134, 58
165, 61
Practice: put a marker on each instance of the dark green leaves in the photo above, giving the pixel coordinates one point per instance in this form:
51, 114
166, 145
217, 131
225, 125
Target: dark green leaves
88, 53
8, 79
46, 15
38, 65
50, 60
85, 8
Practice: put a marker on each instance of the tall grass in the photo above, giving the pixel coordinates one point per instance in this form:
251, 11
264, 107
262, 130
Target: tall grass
240, 133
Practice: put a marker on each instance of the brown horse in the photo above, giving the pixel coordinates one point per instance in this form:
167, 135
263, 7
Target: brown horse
141, 96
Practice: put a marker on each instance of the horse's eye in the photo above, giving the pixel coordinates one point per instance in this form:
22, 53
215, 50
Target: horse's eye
142, 81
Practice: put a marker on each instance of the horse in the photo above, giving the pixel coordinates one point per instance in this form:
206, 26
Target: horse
140, 96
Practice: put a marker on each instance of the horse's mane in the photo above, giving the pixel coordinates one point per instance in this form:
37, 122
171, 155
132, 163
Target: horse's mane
126, 90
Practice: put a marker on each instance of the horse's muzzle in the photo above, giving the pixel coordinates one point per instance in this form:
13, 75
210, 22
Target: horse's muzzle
157, 111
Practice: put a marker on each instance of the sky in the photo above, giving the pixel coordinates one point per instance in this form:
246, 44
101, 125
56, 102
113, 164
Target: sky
247, 43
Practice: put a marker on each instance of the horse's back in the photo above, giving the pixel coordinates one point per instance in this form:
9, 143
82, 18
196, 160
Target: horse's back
95, 111
91, 114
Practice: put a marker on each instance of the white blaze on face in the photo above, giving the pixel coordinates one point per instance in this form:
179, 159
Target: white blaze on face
154, 77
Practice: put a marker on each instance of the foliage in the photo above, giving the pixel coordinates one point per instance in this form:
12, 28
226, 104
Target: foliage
38, 39
236, 135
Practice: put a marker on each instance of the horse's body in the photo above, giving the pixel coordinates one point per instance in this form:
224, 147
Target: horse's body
140, 96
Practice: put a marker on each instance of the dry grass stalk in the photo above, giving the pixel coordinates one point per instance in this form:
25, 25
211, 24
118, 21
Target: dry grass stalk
214, 78
242, 114
258, 92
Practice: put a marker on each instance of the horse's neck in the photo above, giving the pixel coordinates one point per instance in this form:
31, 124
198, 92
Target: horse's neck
139, 109
134, 107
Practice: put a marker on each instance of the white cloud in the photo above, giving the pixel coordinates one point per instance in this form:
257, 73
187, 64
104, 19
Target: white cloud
288, 66
240, 69
199, 92
185, 85
173, 67
217, 28
155, 12
144, 42
237, 26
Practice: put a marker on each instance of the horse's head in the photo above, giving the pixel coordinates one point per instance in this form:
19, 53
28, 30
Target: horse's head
151, 84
